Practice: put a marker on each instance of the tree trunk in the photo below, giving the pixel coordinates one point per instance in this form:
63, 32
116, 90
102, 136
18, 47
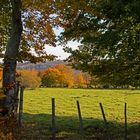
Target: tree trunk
11, 54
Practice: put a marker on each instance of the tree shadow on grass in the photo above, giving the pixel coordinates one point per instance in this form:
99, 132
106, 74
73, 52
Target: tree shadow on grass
38, 127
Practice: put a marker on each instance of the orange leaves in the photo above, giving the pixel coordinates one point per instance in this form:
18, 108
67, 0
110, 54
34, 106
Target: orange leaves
50, 77
66, 75
50, 34
60, 75
80, 80
36, 4
48, 28
63, 76
57, 76
53, 73
29, 78
38, 29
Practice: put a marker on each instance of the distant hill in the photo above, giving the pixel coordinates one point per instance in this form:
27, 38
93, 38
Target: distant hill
39, 66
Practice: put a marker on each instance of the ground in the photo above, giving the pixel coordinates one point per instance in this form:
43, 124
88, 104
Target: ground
37, 113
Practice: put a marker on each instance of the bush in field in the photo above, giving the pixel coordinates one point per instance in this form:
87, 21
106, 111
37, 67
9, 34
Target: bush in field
29, 79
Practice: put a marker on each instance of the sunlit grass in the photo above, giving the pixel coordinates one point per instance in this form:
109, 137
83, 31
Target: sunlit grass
39, 101
37, 108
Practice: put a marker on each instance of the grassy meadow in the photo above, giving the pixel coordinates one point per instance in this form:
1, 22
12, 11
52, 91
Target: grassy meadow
37, 113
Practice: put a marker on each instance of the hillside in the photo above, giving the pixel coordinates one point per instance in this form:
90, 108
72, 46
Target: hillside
38, 66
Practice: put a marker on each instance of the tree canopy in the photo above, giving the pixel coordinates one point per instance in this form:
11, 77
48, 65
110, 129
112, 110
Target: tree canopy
110, 40
27, 26
38, 20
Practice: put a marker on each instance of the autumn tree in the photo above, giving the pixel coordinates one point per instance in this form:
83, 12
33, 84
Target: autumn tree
80, 81
26, 27
66, 78
58, 76
29, 78
50, 77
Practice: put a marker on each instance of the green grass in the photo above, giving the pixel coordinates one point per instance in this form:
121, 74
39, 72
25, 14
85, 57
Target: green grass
37, 113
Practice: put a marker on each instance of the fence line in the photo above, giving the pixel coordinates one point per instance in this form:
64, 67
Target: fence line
105, 121
80, 120
20, 106
125, 123
16, 97
81, 128
53, 120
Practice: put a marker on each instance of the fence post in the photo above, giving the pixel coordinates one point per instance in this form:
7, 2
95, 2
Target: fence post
53, 120
105, 121
16, 97
20, 106
80, 119
125, 124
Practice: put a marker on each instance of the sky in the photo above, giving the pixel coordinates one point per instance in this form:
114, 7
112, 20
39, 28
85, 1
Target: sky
58, 50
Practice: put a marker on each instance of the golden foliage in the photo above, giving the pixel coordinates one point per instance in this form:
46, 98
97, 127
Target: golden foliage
80, 81
63, 76
29, 78
67, 76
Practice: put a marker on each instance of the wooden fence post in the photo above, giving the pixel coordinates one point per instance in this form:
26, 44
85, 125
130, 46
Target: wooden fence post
80, 119
125, 124
16, 97
105, 121
20, 106
53, 120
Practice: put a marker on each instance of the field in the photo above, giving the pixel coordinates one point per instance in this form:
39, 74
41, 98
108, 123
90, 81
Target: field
37, 113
